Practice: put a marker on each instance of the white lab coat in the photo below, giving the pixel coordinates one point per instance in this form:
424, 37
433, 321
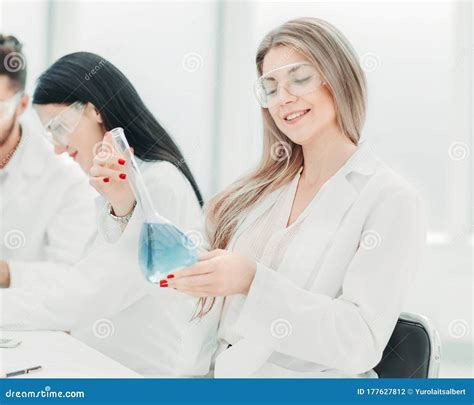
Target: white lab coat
331, 306
47, 211
107, 303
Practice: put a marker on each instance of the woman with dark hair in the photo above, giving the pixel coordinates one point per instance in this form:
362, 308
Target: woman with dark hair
154, 331
97, 88
79, 99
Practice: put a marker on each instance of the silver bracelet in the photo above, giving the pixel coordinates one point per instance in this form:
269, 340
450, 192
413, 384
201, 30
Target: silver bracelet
122, 219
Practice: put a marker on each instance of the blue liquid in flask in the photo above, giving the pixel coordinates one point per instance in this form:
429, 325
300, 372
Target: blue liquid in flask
163, 249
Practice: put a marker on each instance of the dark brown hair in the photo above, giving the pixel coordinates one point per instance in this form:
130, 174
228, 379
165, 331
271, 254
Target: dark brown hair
12, 61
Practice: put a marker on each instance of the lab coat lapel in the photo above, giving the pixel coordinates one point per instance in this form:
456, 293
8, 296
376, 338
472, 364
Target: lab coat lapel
306, 251
246, 357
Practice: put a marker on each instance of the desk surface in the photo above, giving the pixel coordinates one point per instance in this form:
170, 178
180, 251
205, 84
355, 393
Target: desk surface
60, 355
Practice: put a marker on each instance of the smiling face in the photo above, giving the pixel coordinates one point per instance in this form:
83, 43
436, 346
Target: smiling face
86, 126
300, 118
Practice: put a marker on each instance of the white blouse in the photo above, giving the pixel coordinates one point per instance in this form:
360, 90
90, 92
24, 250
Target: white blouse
265, 242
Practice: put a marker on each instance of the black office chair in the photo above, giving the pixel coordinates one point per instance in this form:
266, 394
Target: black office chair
413, 351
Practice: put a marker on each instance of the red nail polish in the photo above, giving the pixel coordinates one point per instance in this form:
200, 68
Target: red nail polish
123, 176
170, 276
105, 179
163, 283
121, 161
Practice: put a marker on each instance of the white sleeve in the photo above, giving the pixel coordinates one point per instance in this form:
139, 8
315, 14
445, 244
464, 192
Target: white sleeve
68, 236
109, 230
349, 332
102, 284
107, 280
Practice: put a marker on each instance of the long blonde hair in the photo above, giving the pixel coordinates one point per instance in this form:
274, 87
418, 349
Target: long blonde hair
324, 46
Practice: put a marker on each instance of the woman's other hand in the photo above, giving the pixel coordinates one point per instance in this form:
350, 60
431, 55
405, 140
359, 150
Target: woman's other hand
218, 273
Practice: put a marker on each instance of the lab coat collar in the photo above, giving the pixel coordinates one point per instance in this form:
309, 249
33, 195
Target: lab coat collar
362, 161
324, 215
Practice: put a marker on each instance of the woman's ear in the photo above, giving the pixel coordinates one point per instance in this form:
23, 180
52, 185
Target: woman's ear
97, 115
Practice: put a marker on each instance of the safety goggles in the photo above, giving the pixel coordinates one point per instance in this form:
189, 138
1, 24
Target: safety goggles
8, 107
298, 79
62, 126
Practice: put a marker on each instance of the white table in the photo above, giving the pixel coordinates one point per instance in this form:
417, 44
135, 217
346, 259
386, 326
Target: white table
60, 355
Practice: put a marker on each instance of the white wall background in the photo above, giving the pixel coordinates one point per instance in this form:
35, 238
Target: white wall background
418, 60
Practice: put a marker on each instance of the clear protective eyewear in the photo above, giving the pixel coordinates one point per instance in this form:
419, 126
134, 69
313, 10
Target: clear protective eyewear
298, 79
62, 126
8, 107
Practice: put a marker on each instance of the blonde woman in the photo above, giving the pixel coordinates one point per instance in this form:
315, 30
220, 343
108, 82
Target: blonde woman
316, 248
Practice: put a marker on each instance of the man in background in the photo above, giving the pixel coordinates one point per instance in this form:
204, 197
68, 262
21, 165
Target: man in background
47, 210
